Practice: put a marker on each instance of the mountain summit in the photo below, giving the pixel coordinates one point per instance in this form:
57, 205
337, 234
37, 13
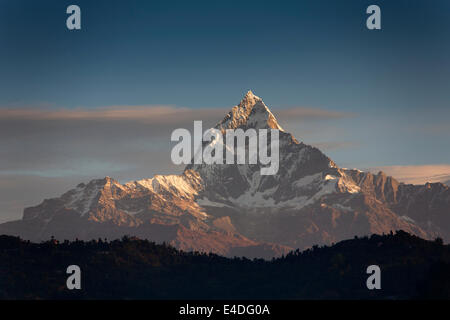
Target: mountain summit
251, 112
232, 209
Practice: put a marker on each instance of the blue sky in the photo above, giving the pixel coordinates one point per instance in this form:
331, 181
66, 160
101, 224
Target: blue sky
203, 53
391, 86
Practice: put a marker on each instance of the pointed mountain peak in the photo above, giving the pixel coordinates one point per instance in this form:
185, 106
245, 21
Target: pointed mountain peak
103, 181
101, 184
250, 94
250, 100
251, 112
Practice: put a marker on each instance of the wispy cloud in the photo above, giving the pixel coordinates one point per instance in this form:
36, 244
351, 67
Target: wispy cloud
419, 174
156, 114
308, 114
436, 128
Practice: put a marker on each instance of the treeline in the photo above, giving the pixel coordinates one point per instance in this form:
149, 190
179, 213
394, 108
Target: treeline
411, 268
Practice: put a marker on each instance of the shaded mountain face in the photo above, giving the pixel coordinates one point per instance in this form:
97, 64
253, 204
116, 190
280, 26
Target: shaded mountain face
232, 209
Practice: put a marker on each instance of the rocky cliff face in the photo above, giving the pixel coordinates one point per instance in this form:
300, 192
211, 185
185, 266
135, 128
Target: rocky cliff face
232, 209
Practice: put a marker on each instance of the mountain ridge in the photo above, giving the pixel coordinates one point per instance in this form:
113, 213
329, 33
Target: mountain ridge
233, 208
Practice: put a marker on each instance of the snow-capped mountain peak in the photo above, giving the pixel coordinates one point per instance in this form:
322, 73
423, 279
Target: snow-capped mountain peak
251, 112
219, 207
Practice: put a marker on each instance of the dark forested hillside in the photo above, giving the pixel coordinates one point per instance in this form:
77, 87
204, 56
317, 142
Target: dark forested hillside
136, 269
